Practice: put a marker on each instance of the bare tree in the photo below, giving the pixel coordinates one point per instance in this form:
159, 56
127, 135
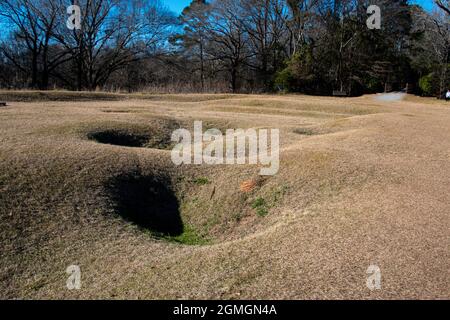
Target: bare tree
266, 29
432, 52
313, 46
298, 22
113, 34
444, 5
227, 38
32, 24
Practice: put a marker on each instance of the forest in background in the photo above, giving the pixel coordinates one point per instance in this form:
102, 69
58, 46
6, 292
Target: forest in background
240, 46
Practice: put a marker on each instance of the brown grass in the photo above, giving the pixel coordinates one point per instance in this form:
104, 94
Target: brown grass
364, 183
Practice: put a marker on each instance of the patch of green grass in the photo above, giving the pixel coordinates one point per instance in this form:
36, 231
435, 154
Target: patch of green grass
262, 212
259, 202
201, 181
260, 206
189, 237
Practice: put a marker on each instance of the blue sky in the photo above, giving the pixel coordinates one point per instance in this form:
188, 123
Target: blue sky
178, 5
427, 4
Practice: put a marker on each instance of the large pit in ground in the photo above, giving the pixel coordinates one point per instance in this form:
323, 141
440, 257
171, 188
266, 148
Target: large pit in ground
148, 202
186, 206
120, 138
156, 134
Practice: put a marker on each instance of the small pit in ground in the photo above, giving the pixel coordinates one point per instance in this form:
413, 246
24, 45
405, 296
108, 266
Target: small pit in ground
306, 131
117, 111
147, 202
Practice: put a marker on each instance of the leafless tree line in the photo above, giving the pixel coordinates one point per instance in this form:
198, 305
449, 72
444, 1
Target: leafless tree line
311, 46
113, 35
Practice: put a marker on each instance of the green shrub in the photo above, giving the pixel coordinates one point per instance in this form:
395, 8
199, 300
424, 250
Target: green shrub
284, 80
426, 84
298, 74
374, 85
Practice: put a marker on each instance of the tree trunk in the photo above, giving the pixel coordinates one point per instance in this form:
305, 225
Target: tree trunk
233, 80
202, 65
34, 69
45, 76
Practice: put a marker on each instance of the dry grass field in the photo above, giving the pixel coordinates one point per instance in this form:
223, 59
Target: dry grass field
361, 182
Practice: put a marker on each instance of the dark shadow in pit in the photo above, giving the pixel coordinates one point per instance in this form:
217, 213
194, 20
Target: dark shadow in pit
147, 202
119, 138
135, 139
